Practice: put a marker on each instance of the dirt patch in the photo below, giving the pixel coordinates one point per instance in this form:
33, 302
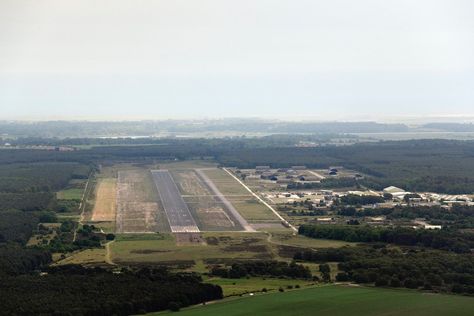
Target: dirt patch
244, 247
189, 238
213, 241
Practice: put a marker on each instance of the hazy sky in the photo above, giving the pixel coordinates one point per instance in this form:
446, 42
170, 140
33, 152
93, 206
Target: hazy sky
331, 59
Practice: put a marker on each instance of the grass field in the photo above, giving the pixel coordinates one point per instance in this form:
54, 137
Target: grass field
338, 301
163, 249
218, 247
70, 194
242, 286
243, 201
85, 257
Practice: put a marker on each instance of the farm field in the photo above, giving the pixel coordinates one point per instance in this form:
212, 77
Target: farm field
338, 300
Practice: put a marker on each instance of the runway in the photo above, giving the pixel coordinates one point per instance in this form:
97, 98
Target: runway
179, 216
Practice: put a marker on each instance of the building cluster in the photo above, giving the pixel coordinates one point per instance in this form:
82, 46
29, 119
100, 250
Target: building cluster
293, 174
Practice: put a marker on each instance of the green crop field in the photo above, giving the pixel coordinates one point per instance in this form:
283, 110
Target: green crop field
338, 300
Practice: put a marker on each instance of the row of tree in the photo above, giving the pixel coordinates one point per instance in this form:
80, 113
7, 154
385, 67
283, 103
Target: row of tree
437, 239
262, 268
399, 267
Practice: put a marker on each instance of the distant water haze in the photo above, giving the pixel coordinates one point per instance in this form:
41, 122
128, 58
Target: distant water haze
388, 61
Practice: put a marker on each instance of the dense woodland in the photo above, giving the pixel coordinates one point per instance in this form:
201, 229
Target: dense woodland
423, 165
458, 217
449, 240
413, 268
72, 290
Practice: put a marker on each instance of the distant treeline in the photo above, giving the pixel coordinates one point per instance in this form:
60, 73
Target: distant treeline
263, 268
99, 129
422, 165
437, 239
73, 290
398, 267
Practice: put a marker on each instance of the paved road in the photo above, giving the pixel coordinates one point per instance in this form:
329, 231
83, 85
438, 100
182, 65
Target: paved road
177, 211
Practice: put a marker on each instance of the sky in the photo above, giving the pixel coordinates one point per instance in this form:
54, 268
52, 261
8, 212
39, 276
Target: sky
298, 59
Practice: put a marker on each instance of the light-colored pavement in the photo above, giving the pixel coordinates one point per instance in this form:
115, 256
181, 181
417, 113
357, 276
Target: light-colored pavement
320, 176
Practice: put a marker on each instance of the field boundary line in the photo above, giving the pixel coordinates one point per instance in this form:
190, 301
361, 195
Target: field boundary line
82, 205
261, 200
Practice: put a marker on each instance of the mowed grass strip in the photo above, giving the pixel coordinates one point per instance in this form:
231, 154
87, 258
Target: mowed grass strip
105, 202
338, 301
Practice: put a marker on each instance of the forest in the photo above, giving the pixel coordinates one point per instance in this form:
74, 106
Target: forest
458, 217
106, 293
442, 166
450, 240
385, 265
263, 268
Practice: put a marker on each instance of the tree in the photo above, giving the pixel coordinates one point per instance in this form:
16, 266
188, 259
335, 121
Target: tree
325, 270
